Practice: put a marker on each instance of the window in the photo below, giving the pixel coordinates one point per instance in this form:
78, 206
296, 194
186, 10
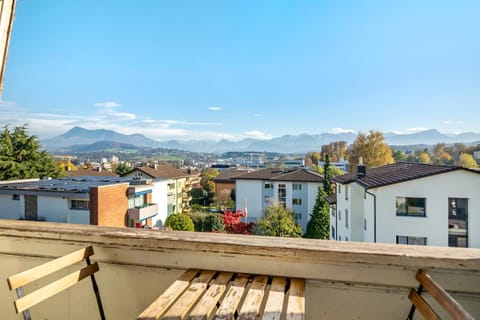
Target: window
333, 210
333, 232
282, 194
346, 239
339, 214
298, 216
346, 218
268, 185
339, 188
419, 241
15, 197
297, 186
458, 222
268, 200
346, 192
80, 204
410, 207
297, 201
365, 224
340, 238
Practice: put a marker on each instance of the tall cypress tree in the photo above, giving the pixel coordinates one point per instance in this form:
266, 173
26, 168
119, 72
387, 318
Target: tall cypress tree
318, 226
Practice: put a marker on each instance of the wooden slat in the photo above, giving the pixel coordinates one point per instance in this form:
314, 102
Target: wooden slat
42, 270
251, 305
274, 305
232, 299
205, 307
54, 288
422, 306
296, 300
168, 297
185, 302
453, 308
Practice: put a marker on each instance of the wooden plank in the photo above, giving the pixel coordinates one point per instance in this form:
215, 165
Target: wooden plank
189, 297
54, 288
33, 274
296, 300
7, 13
276, 295
422, 306
205, 307
232, 299
251, 305
453, 308
168, 297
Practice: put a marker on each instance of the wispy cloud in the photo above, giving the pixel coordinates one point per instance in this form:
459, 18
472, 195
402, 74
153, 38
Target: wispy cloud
342, 130
214, 108
4, 103
258, 115
256, 134
107, 104
454, 122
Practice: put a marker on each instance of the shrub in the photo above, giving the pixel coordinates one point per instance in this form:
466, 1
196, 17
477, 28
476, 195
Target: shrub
213, 223
179, 221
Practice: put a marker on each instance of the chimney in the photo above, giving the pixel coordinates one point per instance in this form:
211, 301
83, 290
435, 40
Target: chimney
361, 168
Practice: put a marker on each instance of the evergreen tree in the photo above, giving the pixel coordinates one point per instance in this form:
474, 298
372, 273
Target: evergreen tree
327, 176
278, 221
318, 226
21, 157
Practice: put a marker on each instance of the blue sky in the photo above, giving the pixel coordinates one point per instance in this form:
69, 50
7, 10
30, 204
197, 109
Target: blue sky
234, 69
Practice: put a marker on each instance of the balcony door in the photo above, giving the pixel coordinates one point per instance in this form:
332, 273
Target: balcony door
458, 222
31, 207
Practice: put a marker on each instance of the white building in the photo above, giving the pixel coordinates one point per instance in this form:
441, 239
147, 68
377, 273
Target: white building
296, 189
408, 203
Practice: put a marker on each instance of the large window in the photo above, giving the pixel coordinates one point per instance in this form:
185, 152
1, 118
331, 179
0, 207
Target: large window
410, 206
419, 241
282, 194
297, 201
458, 222
80, 204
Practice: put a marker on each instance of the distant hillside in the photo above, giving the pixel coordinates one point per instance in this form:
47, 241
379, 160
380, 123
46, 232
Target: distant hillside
95, 140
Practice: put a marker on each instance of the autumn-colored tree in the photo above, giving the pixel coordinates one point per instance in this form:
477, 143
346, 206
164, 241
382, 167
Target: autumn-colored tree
336, 150
372, 148
467, 161
206, 181
424, 157
441, 154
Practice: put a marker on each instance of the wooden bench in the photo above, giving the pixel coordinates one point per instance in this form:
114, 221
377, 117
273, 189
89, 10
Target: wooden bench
18, 281
205, 294
452, 307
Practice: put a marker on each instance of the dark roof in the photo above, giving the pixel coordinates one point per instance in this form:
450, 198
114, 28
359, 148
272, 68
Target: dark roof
227, 176
283, 175
90, 172
395, 173
77, 185
332, 199
164, 171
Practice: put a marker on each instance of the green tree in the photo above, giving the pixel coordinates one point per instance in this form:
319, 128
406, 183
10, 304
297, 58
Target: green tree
21, 156
179, 221
318, 226
327, 176
122, 169
278, 221
467, 161
372, 148
399, 156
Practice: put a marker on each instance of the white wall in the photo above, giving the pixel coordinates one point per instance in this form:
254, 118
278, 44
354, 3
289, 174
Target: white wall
11, 209
252, 191
53, 208
436, 189
159, 196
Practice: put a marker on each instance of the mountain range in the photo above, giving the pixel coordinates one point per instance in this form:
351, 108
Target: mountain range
80, 139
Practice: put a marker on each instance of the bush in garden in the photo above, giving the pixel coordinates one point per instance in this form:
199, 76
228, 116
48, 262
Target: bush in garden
179, 221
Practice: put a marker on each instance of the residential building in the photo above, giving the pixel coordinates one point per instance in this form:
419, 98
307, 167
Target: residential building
341, 164
170, 190
225, 183
409, 203
295, 189
83, 200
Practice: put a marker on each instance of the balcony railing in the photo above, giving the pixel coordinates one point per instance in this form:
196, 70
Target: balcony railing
344, 280
140, 213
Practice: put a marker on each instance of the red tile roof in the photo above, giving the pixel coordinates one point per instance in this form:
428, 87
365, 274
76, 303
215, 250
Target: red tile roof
164, 171
395, 173
227, 176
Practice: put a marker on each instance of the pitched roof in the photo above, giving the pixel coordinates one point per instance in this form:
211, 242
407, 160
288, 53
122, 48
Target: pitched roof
81, 172
332, 198
227, 176
164, 171
283, 175
395, 173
